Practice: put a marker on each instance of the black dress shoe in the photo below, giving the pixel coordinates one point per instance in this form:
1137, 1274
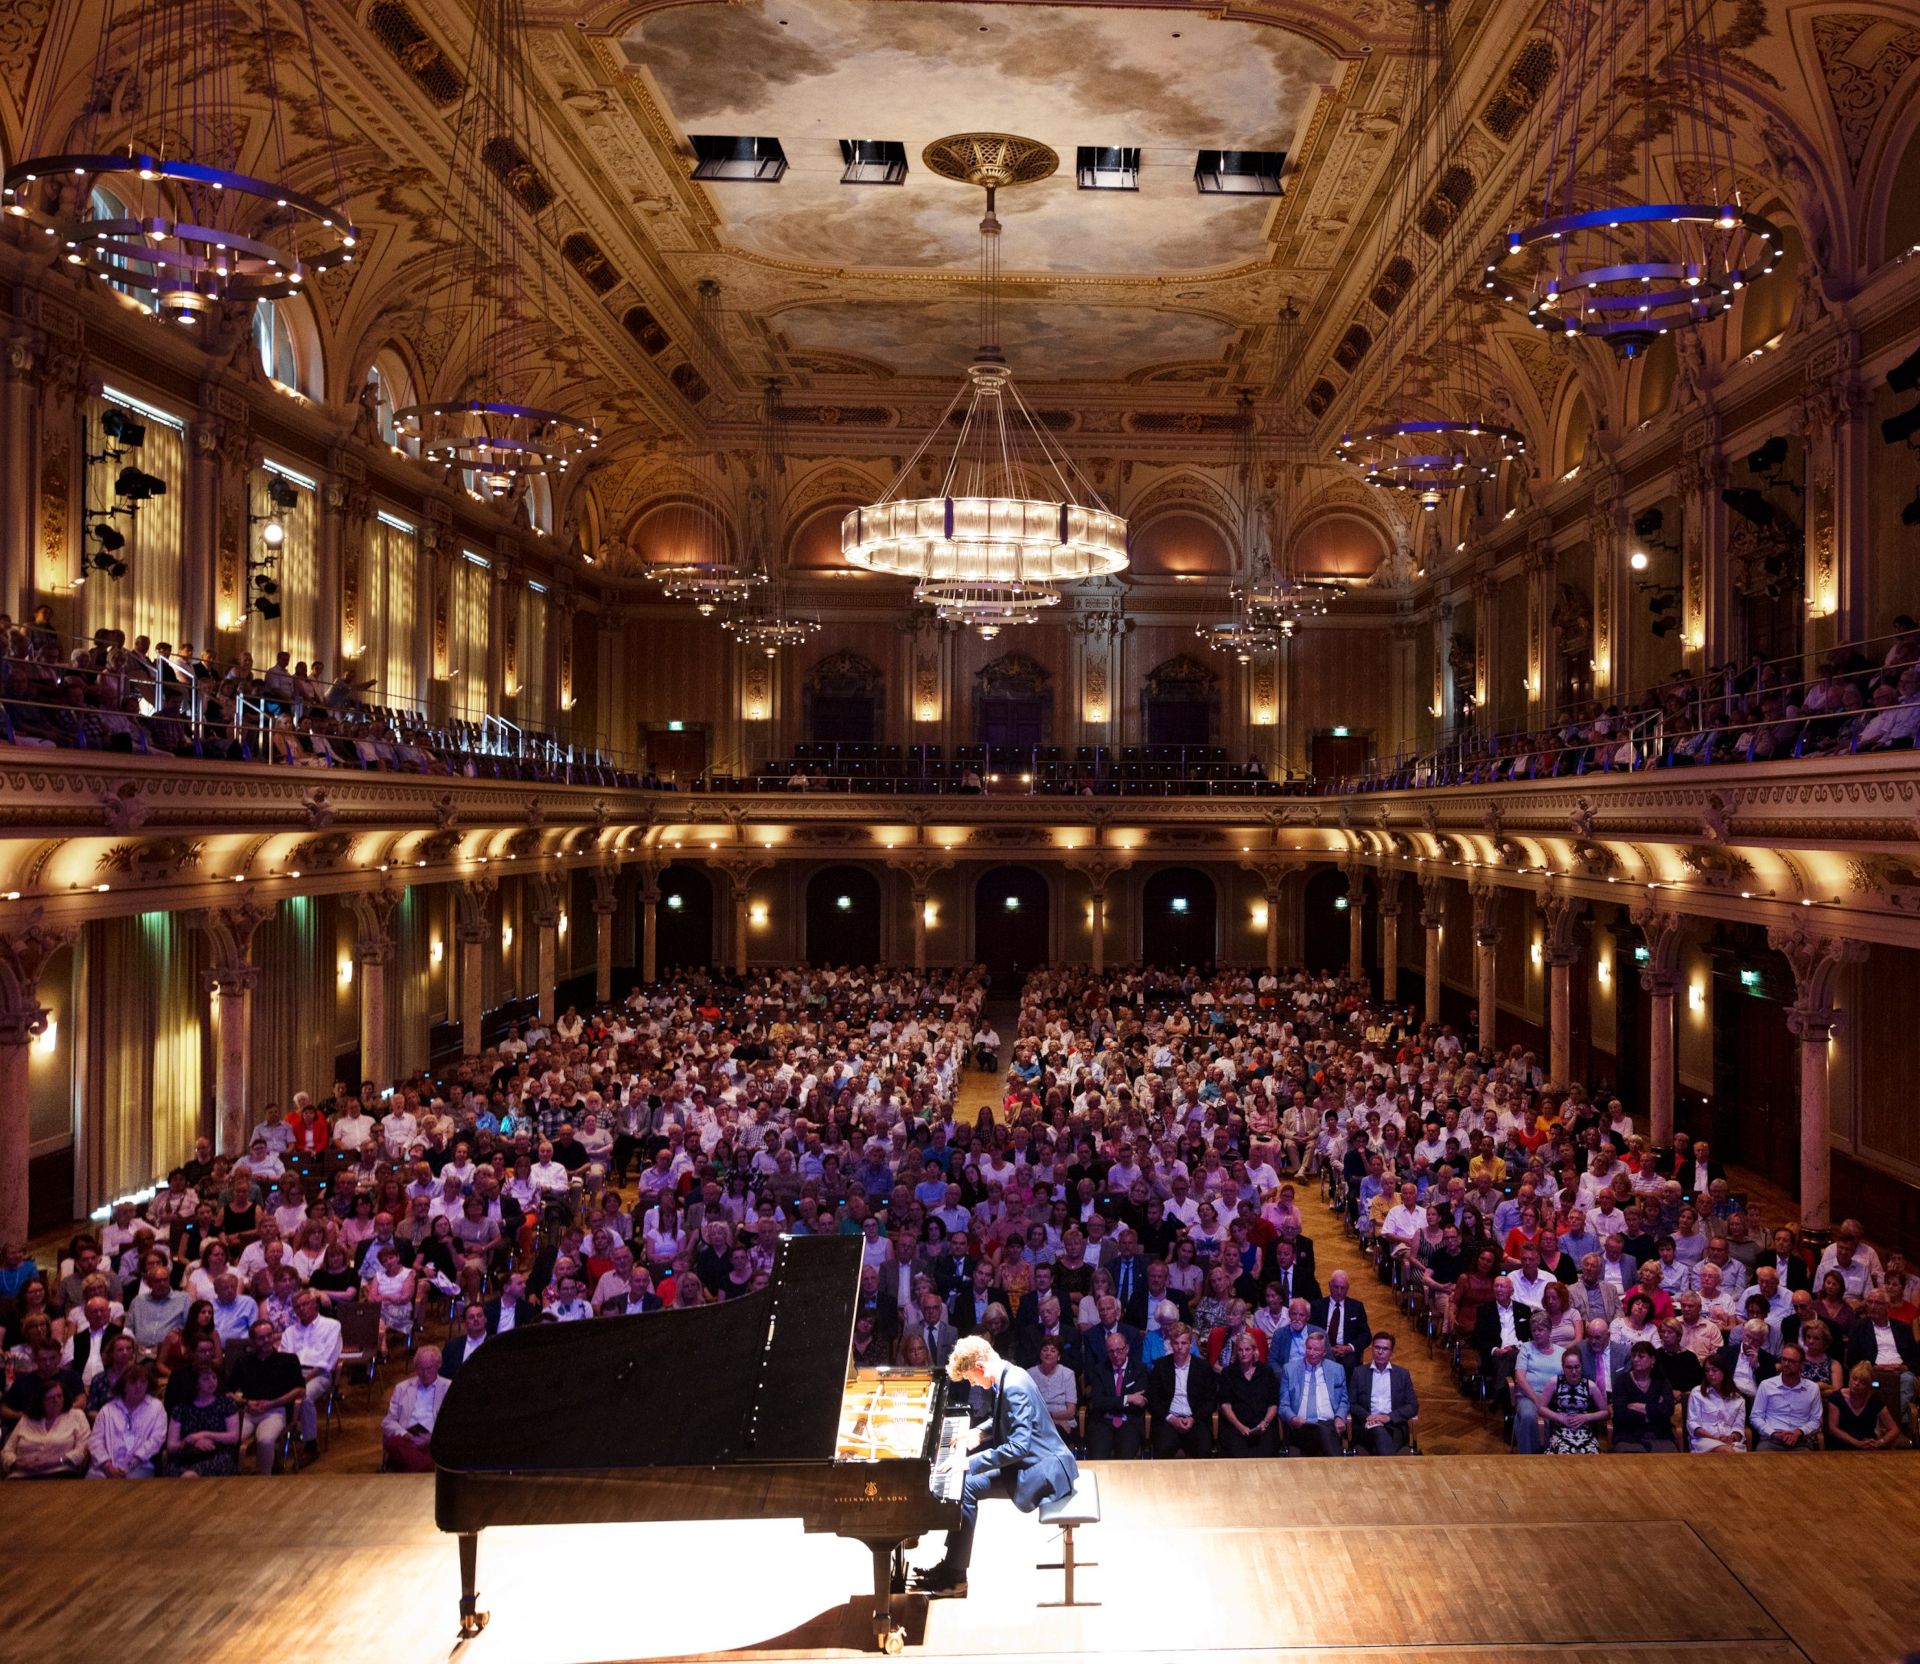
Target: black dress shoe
941, 1582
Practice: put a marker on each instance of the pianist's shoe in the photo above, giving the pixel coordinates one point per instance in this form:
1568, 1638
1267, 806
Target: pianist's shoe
941, 1582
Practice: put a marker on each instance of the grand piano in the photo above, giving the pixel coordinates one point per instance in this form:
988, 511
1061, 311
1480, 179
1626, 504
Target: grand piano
748, 1409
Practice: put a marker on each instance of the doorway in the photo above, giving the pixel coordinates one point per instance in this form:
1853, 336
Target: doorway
1012, 923
1179, 918
1334, 756
677, 754
1323, 920
683, 922
843, 917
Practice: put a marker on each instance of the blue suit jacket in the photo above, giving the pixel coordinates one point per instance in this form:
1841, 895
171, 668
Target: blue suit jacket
1293, 1387
1024, 1447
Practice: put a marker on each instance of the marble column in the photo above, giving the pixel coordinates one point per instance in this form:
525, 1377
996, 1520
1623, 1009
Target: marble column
24, 953
1816, 962
373, 951
740, 869
1486, 943
1561, 915
233, 987
1433, 918
605, 905
547, 892
919, 870
473, 940
1660, 977
649, 896
1356, 925
1390, 941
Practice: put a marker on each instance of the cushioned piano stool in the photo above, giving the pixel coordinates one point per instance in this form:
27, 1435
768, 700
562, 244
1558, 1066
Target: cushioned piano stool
1079, 1507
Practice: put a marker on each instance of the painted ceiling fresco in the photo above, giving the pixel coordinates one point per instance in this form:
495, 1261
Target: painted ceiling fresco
814, 72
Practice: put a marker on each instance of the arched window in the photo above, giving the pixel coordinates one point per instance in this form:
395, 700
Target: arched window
288, 349
391, 388
538, 502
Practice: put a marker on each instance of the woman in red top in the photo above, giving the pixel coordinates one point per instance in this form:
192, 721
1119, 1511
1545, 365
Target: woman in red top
308, 1124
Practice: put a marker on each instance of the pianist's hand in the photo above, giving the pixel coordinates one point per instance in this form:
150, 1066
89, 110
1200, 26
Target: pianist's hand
977, 1436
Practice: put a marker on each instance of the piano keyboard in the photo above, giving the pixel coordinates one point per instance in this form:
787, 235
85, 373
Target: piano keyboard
950, 1460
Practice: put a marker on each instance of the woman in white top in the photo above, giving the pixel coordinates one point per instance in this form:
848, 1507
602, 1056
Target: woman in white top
51, 1444
1058, 1390
130, 1431
1716, 1414
212, 1267
310, 1251
1184, 1276
663, 1234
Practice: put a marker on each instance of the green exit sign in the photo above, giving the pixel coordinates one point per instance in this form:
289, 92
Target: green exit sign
1340, 733
675, 727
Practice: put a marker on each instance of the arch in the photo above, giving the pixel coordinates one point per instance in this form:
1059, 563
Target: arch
1180, 702
1323, 919
1575, 433
1900, 199
1012, 921
813, 541
1339, 543
678, 528
844, 699
683, 921
1179, 917
845, 908
646, 329
1767, 303
286, 343
1657, 373
1352, 346
1180, 541
1455, 190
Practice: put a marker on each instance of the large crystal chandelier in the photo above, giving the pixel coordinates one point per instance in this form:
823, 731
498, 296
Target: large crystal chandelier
1434, 431
764, 623
1011, 509
488, 295
1626, 254
696, 560
172, 189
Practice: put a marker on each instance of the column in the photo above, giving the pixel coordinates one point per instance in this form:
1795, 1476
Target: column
1098, 870
1539, 568
1816, 962
1356, 922
649, 894
473, 898
19, 488
547, 892
1660, 977
1486, 942
918, 869
740, 869
1389, 937
232, 978
1433, 918
1272, 874
606, 904
1561, 914
373, 949
24, 953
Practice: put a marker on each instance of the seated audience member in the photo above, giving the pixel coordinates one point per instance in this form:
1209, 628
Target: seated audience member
1788, 1411
1573, 1411
1059, 1390
1116, 1403
1641, 1402
1249, 1401
1182, 1393
50, 1439
1536, 1368
130, 1431
411, 1412
203, 1430
1889, 1347
1858, 1417
1383, 1406
1314, 1399
1716, 1412
268, 1382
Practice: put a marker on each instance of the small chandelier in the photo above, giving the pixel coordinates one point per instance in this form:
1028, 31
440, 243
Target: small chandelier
1596, 262
988, 608
169, 217
1433, 434
1011, 508
764, 622
498, 207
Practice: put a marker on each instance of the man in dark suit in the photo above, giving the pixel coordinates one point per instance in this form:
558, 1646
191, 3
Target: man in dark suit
512, 1308
1500, 1328
1381, 1401
1888, 1346
1794, 1274
1049, 1325
1129, 1272
1747, 1346
1116, 1401
969, 1306
473, 1334
1027, 1311
937, 1331
1149, 1295
1182, 1394
1294, 1279
953, 1266
1017, 1448
1111, 1323
1345, 1321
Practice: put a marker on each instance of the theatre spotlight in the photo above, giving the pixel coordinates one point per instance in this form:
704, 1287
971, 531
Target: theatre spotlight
123, 428
273, 532
1899, 430
282, 493
1664, 606
1904, 377
1646, 526
1910, 515
137, 487
1749, 504
1768, 457
109, 540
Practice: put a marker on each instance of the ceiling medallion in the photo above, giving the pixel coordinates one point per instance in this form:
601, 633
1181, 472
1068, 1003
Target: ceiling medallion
1433, 433
169, 218
1011, 508
1628, 272
487, 291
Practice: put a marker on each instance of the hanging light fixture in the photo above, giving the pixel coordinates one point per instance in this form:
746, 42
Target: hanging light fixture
988, 608
1011, 508
763, 621
488, 293
1435, 432
698, 562
163, 194
1627, 259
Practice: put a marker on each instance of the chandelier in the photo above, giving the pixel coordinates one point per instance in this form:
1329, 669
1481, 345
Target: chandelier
192, 209
699, 564
988, 608
1434, 433
1597, 261
1011, 508
764, 623
495, 225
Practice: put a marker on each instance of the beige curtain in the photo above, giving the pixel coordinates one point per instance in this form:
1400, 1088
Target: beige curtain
144, 1098
392, 599
533, 658
293, 1027
146, 602
297, 629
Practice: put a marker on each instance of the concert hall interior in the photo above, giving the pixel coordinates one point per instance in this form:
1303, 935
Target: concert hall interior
980, 827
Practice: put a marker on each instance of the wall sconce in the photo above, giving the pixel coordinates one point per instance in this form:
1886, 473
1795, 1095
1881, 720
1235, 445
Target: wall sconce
566, 701
756, 712
506, 936
1096, 713
1603, 971
1265, 716
757, 914
926, 713
1535, 953
48, 1038
561, 927
346, 971
1696, 996
1259, 915
930, 914
436, 951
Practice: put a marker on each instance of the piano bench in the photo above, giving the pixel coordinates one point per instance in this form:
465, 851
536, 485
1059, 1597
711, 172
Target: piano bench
1081, 1506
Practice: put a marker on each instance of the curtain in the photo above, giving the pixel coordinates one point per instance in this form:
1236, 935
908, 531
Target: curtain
409, 985
392, 603
144, 1097
297, 630
467, 673
533, 658
146, 602
293, 1006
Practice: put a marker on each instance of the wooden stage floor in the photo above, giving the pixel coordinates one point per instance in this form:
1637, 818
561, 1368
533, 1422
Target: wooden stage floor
1464, 1560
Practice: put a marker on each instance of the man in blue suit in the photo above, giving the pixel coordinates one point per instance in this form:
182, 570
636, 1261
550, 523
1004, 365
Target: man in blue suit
1016, 1448
1313, 1398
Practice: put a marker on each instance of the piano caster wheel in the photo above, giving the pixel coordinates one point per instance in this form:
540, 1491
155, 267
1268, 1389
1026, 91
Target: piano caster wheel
894, 1641
471, 1624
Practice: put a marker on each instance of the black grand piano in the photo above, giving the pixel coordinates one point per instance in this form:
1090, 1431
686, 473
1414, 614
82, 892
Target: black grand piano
748, 1409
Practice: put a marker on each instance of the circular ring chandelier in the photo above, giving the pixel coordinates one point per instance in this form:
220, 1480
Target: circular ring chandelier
1430, 457
765, 622
1625, 272
709, 585
1242, 637
500, 441
1011, 508
988, 608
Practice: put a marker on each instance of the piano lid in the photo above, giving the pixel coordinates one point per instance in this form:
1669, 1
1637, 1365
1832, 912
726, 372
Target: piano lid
754, 1379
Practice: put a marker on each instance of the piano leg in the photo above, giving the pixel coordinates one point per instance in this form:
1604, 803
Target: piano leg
472, 1620
888, 1636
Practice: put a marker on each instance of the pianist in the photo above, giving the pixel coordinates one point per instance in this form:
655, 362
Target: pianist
1017, 1449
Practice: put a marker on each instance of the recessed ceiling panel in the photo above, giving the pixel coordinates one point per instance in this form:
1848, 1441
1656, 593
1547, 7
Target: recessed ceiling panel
810, 71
